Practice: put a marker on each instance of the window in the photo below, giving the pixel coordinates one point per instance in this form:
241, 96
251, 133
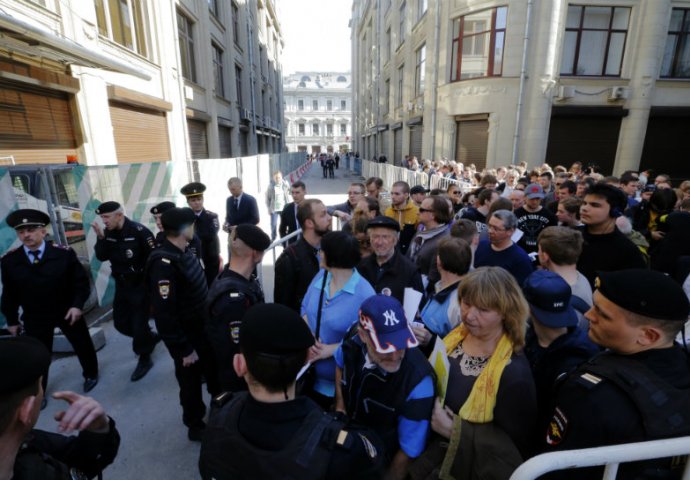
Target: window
329, 129
238, 85
300, 129
213, 8
401, 77
315, 105
329, 105
401, 30
594, 40
315, 129
343, 128
235, 23
306, 78
477, 49
419, 74
343, 105
122, 21
186, 39
300, 105
341, 79
387, 46
387, 97
422, 5
676, 61
218, 85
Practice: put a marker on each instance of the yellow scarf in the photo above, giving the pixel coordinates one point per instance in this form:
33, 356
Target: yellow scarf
479, 406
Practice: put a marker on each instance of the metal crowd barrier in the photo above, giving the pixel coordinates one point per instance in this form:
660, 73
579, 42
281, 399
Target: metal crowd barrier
610, 457
391, 174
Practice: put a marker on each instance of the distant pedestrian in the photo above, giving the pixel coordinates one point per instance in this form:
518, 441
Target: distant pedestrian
277, 196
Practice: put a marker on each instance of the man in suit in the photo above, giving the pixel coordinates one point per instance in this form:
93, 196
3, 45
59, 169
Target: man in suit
240, 207
50, 286
288, 217
206, 228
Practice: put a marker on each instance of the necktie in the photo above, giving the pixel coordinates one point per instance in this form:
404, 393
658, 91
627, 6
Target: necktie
235, 202
35, 254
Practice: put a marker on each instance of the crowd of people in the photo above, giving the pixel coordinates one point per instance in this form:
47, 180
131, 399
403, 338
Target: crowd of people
558, 298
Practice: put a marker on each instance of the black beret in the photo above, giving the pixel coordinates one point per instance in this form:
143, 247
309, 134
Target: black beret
107, 207
23, 360
193, 189
275, 329
417, 189
253, 236
177, 218
384, 222
645, 292
162, 207
27, 217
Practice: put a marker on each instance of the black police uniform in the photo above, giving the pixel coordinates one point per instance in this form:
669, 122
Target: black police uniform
393, 276
127, 250
206, 228
49, 456
45, 290
193, 246
177, 291
293, 439
294, 271
230, 296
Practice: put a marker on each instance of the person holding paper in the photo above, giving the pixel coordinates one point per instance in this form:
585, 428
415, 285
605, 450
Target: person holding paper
384, 383
490, 407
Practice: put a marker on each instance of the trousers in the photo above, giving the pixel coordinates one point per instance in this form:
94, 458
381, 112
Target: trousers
131, 315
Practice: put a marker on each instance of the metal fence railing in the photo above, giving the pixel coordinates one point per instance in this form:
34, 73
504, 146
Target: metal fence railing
610, 457
391, 174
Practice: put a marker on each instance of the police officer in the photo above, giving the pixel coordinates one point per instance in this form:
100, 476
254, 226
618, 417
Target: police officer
234, 291
177, 291
269, 431
207, 227
27, 454
194, 244
50, 286
637, 390
127, 245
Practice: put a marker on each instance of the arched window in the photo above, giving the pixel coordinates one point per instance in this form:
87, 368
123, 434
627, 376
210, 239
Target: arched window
341, 79
306, 78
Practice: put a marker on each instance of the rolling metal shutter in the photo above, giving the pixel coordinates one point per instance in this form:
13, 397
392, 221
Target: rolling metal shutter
416, 136
140, 134
225, 140
576, 135
471, 139
197, 138
36, 125
397, 147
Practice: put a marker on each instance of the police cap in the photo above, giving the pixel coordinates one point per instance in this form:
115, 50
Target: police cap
162, 207
274, 329
383, 222
253, 237
107, 207
193, 189
177, 218
23, 360
645, 292
27, 217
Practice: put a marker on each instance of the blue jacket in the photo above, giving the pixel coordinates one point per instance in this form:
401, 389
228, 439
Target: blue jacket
435, 312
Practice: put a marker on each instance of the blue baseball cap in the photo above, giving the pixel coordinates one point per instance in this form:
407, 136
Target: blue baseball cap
383, 317
549, 297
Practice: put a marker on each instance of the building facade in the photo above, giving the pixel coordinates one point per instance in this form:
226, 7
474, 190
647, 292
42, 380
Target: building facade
100, 82
318, 112
494, 82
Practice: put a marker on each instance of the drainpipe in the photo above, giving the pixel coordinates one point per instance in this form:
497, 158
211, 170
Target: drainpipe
250, 47
434, 80
523, 75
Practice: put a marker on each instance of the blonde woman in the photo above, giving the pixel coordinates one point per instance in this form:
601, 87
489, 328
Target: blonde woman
489, 411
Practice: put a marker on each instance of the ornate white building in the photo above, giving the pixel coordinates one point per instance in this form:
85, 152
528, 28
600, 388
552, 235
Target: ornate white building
318, 112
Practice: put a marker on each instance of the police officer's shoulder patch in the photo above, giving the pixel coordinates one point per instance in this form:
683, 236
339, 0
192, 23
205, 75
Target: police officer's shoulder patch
558, 426
587, 380
164, 288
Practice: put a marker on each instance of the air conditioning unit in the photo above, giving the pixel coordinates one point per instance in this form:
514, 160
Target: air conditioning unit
565, 91
245, 114
617, 93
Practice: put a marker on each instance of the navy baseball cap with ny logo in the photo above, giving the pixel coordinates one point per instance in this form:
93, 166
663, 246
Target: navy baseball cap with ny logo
383, 317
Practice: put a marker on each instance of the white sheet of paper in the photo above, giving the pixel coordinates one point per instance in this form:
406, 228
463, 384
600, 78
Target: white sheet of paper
411, 301
304, 369
517, 235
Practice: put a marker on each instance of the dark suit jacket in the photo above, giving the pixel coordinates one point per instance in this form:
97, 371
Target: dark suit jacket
248, 211
288, 222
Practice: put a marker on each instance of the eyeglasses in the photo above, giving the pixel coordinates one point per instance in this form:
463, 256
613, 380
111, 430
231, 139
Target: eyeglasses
497, 229
355, 193
455, 193
422, 210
